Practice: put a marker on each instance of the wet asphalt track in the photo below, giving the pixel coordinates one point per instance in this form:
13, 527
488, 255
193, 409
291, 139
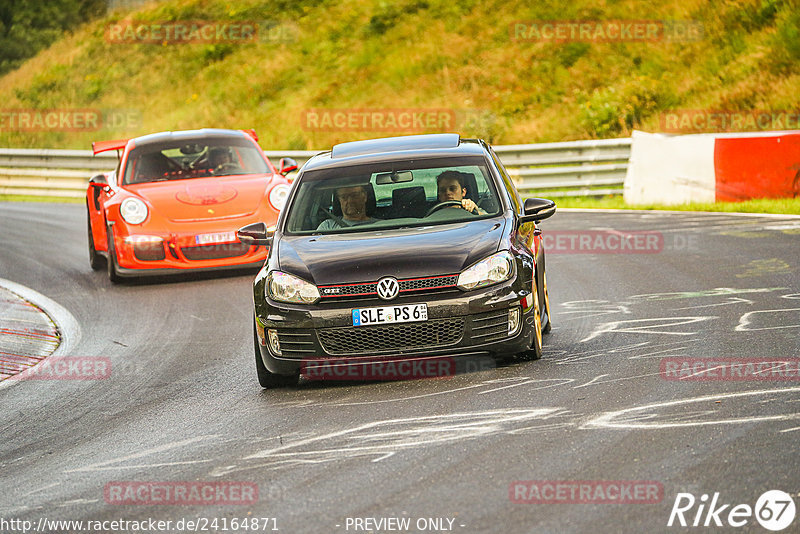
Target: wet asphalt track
182, 402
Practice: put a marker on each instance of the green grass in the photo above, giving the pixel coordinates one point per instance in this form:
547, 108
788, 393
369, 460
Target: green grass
38, 198
762, 205
372, 55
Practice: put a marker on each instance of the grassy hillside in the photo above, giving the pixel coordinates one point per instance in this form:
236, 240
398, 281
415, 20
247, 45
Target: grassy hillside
454, 55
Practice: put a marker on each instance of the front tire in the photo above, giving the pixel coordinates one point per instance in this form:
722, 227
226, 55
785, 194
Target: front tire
535, 352
265, 378
96, 261
111, 263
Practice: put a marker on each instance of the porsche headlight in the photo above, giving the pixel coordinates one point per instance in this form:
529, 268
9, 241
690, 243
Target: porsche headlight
492, 270
133, 210
284, 287
278, 196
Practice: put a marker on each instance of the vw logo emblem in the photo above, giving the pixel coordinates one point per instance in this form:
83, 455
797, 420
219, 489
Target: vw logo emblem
388, 288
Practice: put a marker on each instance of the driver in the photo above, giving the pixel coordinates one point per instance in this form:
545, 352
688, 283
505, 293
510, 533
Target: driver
354, 208
450, 185
219, 158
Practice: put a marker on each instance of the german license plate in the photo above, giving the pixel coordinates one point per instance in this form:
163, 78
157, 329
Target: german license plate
390, 314
213, 239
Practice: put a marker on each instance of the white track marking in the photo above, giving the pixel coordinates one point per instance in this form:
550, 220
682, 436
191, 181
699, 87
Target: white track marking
607, 420
113, 463
745, 320
629, 328
732, 300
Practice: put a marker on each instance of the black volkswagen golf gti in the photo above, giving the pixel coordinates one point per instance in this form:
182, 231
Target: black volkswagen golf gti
400, 249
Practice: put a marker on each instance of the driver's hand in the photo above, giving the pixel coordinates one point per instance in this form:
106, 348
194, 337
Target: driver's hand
469, 205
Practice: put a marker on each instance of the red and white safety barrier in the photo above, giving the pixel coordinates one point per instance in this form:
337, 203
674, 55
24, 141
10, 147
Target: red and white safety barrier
668, 169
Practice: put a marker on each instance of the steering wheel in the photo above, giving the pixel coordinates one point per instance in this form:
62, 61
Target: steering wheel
445, 204
226, 168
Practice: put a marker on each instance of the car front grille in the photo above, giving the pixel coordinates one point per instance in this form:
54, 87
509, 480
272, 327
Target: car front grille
296, 343
149, 251
215, 252
408, 285
369, 339
489, 326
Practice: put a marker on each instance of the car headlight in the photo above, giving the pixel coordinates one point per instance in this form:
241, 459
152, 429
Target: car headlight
133, 210
278, 196
284, 287
492, 270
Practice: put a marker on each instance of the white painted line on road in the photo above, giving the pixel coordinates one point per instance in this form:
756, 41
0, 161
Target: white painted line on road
590, 382
627, 326
745, 321
731, 300
113, 463
607, 420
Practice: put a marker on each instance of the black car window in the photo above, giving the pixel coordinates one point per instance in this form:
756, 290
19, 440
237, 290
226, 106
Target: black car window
198, 158
513, 194
391, 195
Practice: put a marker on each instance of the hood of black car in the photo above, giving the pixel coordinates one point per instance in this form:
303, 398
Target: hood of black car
402, 253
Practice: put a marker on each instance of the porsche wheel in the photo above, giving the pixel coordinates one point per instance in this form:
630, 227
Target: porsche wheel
96, 261
265, 378
535, 352
111, 263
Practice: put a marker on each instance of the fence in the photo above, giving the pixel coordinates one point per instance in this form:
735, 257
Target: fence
573, 168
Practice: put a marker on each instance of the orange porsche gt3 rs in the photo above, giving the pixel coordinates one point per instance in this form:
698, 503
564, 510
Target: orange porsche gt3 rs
176, 199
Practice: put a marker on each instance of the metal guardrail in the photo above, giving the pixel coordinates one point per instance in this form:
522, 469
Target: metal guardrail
573, 168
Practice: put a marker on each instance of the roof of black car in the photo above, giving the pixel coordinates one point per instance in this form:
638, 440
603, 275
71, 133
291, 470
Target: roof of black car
390, 148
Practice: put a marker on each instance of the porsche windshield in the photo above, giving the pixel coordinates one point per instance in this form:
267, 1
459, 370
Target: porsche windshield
395, 194
199, 158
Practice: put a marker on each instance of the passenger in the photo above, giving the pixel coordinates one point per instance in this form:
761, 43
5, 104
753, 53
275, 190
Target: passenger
354, 209
450, 185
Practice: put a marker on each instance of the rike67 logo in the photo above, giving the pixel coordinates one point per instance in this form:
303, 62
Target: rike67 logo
774, 510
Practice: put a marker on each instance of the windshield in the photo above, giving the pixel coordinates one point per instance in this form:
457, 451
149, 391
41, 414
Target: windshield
391, 195
198, 158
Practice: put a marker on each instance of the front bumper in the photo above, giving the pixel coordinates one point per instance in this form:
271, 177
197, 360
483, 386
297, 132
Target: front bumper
460, 324
159, 252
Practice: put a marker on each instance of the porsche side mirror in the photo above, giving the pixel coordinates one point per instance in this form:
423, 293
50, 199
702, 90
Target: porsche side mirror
255, 234
287, 165
537, 209
99, 181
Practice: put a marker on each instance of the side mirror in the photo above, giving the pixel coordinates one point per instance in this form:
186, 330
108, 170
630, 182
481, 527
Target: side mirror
286, 165
537, 209
255, 234
98, 180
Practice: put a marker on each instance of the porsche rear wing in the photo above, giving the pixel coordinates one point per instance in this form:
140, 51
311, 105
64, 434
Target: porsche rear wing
105, 146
